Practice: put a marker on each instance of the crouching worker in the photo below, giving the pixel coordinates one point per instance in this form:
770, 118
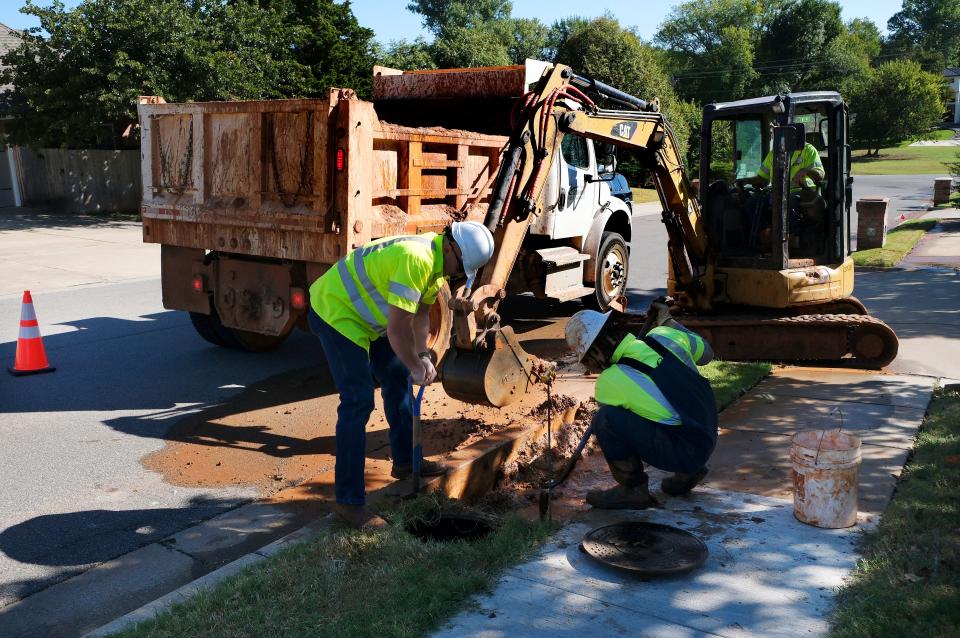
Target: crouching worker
655, 407
385, 289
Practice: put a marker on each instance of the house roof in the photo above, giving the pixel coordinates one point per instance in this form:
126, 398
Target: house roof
951, 72
9, 39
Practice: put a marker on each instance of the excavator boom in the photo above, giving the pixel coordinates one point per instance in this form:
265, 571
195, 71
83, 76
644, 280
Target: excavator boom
487, 364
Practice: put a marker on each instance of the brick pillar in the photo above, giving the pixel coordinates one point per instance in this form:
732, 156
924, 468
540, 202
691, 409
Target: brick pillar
871, 222
941, 190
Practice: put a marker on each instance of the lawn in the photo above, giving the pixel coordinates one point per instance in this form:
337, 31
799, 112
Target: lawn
907, 160
645, 195
731, 379
344, 582
908, 583
900, 241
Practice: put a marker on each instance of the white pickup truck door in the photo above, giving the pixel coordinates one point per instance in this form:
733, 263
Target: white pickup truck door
578, 197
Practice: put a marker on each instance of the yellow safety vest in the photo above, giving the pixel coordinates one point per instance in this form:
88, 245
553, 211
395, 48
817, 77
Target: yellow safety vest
625, 387
354, 296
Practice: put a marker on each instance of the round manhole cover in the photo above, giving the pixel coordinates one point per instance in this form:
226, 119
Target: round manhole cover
647, 549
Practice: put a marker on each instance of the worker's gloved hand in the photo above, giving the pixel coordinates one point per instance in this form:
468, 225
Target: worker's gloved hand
429, 371
663, 312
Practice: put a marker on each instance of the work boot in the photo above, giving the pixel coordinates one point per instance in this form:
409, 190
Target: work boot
631, 493
680, 483
358, 516
427, 468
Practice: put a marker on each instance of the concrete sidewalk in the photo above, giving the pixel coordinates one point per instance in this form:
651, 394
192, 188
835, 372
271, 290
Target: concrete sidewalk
44, 251
767, 574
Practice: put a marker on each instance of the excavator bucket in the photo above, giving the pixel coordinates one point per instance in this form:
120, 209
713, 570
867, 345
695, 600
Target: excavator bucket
496, 376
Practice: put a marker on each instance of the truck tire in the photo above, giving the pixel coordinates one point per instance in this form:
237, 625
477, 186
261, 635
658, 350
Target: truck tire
256, 342
441, 323
211, 329
613, 266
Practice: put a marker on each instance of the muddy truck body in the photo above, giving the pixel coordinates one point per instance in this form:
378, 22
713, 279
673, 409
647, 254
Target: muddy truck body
251, 201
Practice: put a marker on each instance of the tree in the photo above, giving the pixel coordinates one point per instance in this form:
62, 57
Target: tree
710, 46
605, 51
327, 42
897, 102
930, 30
406, 55
525, 38
446, 18
794, 47
479, 33
848, 58
469, 47
78, 75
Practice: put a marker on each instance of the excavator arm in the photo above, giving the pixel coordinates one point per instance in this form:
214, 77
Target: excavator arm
487, 363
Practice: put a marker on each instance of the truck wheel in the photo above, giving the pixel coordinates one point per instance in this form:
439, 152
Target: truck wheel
256, 342
613, 264
210, 329
441, 322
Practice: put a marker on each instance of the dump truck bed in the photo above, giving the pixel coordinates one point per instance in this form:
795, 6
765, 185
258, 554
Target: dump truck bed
303, 180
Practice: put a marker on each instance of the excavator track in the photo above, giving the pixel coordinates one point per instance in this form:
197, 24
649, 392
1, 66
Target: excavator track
853, 339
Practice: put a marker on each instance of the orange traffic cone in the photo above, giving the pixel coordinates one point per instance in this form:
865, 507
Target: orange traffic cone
31, 356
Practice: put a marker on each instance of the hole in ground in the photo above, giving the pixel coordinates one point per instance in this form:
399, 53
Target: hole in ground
450, 527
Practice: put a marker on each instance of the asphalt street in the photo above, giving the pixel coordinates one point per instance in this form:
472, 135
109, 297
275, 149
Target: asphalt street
72, 490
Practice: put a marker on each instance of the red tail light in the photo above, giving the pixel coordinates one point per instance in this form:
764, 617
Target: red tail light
298, 298
341, 160
197, 283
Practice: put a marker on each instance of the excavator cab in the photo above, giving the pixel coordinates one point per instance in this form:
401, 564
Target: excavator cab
773, 222
739, 138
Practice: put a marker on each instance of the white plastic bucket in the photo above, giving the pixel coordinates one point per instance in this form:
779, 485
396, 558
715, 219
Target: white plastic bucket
826, 468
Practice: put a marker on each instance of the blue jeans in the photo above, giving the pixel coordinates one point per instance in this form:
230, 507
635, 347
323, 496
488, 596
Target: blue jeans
354, 373
674, 448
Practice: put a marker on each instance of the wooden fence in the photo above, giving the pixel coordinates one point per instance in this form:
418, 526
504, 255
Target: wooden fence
79, 181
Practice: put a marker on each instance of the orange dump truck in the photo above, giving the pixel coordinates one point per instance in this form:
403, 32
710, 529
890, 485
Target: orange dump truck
251, 201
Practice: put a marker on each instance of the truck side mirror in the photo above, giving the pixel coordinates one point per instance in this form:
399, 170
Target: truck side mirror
608, 164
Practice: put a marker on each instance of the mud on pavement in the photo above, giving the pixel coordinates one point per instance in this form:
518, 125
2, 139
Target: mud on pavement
281, 432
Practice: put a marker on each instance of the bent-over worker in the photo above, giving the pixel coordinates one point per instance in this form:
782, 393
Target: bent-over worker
385, 287
655, 407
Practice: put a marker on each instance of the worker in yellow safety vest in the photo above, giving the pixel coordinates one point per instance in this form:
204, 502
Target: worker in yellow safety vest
385, 289
806, 169
655, 407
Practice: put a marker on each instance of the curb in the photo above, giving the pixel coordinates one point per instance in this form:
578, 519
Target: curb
185, 592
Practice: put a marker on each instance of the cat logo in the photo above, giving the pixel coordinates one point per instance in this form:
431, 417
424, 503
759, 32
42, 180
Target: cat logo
624, 130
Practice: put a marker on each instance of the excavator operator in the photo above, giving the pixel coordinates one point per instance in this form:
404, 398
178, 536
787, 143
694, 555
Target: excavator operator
655, 407
806, 169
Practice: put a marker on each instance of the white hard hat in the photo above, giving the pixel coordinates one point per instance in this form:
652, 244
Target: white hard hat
582, 330
476, 246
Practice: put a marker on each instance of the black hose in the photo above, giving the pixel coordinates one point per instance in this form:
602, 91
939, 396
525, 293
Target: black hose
500, 193
610, 92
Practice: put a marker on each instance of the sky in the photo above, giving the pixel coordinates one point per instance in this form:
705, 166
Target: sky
390, 19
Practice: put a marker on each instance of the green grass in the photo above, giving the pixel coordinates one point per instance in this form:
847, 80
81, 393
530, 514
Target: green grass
908, 583
900, 241
731, 379
906, 160
352, 583
645, 195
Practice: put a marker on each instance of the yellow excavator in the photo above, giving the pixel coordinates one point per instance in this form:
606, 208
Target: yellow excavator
760, 282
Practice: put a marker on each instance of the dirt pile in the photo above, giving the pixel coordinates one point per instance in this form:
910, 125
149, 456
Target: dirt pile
536, 464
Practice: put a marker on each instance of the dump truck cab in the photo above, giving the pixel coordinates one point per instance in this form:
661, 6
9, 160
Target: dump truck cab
795, 238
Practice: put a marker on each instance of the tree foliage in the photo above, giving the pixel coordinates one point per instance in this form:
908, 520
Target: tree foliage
930, 29
605, 51
898, 101
77, 76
